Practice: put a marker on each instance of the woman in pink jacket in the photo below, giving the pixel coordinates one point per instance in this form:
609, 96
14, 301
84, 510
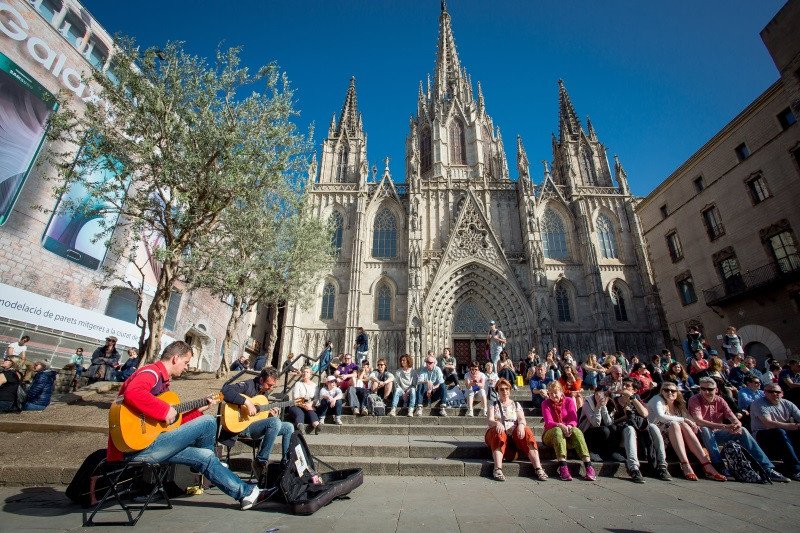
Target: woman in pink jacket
561, 431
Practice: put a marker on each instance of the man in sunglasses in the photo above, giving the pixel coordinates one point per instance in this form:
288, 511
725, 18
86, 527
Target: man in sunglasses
776, 425
430, 385
719, 425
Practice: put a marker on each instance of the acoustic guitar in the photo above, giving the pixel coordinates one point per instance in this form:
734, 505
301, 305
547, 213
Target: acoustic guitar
132, 431
236, 418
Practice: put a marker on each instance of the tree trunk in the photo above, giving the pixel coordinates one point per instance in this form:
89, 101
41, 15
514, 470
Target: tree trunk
158, 310
272, 331
230, 330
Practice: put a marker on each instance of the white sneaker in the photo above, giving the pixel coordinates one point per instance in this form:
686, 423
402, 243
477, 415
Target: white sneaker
470, 412
254, 498
321, 422
418, 412
442, 412
338, 420
393, 412
483, 412
410, 413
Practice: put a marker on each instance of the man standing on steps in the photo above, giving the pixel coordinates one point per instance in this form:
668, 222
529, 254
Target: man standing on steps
266, 429
496, 341
430, 386
361, 346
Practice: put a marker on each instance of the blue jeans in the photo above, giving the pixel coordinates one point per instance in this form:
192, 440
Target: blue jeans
324, 405
268, 430
398, 394
781, 444
34, 407
192, 444
422, 391
713, 439
590, 379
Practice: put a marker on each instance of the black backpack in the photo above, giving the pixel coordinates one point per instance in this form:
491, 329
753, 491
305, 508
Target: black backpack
742, 466
86, 488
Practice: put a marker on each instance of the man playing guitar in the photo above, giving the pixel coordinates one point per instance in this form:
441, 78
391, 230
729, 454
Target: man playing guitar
266, 429
191, 443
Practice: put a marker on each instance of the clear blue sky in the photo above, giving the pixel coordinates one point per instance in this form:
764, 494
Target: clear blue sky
657, 78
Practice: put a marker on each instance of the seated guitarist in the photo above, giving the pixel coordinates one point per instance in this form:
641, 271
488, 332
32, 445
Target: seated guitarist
192, 443
266, 429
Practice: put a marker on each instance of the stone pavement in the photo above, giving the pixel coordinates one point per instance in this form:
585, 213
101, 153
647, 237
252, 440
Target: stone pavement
455, 504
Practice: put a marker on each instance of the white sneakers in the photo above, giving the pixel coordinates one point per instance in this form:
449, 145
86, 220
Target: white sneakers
337, 420
393, 412
254, 498
470, 412
418, 412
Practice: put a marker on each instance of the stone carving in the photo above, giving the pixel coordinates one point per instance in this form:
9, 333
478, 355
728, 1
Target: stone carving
472, 239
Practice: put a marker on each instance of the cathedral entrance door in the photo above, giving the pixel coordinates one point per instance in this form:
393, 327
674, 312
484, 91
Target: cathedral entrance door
462, 354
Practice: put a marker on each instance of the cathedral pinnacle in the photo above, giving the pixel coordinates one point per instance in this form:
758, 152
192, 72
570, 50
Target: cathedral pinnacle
448, 68
590, 129
349, 118
567, 118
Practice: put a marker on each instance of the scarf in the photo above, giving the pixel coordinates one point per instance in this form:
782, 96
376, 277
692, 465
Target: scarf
558, 417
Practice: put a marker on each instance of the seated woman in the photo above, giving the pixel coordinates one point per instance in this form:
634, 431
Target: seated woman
41, 388
726, 390
507, 423
505, 369
358, 392
330, 396
491, 382
405, 389
538, 381
645, 381
571, 384
699, 364
598, 427
475, 382
449, 368
303, 393
676, 373
553, 371
561, 431
667, 410
592, 372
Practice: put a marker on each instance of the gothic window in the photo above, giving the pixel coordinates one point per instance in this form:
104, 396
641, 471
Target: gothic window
554, 238
384, 303
426, 160
458, 145
328, 299
562, 304
588, 167
618, 299
341, 166
469, 319
384, 236
122, 304
606, 237
337, 223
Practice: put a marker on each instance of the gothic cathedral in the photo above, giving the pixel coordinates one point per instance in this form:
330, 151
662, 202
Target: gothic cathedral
428, 263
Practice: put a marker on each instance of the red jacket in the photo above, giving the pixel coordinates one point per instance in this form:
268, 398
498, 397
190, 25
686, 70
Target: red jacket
139, 393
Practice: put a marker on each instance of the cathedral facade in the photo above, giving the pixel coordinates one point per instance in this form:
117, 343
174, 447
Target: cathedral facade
426, 264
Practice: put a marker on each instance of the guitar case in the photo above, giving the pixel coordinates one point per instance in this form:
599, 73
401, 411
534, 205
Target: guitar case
307, 492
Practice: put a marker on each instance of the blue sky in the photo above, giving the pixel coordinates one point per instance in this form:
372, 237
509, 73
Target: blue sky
657, 78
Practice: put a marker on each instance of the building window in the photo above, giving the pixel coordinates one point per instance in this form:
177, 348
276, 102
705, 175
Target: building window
562, 304
96, 54
685, 287
123, 305
742, 152
784, 249
588, 167
664, 212
606, 237
337, 223
698, 183
384, 236
458, 145
47, 8
384, 303
341, 165
554, 238
171, 318
674, 246
328, 299
713, 223
727, 265
786, 118
426, 161
757, 186
618, 299
73, 29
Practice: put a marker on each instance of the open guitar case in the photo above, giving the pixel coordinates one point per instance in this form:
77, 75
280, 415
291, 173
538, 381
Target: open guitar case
307, 492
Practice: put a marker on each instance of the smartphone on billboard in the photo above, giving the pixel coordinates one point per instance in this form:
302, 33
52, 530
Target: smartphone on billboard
79, 218
25, 108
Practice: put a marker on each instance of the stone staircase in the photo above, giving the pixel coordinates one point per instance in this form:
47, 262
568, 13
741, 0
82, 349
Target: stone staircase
427, 445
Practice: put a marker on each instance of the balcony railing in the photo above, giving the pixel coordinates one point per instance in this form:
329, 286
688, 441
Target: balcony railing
785, 270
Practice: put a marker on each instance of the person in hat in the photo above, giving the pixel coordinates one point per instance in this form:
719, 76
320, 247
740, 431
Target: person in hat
330, 396
105, 360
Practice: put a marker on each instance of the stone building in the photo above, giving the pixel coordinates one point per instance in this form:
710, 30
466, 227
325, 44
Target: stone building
46, 46
428, 263
722, 229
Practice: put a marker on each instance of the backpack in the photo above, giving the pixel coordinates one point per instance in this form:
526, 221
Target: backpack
375, 405
85, 488
742, 466
454, 397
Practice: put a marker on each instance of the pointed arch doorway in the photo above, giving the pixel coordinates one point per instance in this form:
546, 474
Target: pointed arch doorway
469, 328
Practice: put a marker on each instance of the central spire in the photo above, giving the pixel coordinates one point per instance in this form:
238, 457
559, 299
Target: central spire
567, 117
350, 118
448, 67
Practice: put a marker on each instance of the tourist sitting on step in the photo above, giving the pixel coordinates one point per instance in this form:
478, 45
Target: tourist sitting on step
505, 369
592, 372
571, 384
449, 368
509, 434
646, 387
776, 426
41, 388
475, 383
381, 381
346, 372
538, 381
430, 386
553, 370
667, 410
561, 431
404, 386
358, 391
613, 379
598, 427
303, 394
491, 382
330, 396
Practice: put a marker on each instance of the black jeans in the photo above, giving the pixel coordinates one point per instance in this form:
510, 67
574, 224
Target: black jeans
781, 444
297, 416
603, 440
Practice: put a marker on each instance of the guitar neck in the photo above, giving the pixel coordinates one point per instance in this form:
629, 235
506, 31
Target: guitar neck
191, 405
274, 405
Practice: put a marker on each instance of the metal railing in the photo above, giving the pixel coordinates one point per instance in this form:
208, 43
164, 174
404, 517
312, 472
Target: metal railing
288, 366
775, 272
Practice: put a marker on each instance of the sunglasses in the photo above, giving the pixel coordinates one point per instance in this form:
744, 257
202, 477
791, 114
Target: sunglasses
669, 390
708, 389
774, 391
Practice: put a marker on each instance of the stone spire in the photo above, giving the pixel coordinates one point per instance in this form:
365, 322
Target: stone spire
448, 68
349, 118
622, 177
523, 166
590, 129
481, 103
567, 118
